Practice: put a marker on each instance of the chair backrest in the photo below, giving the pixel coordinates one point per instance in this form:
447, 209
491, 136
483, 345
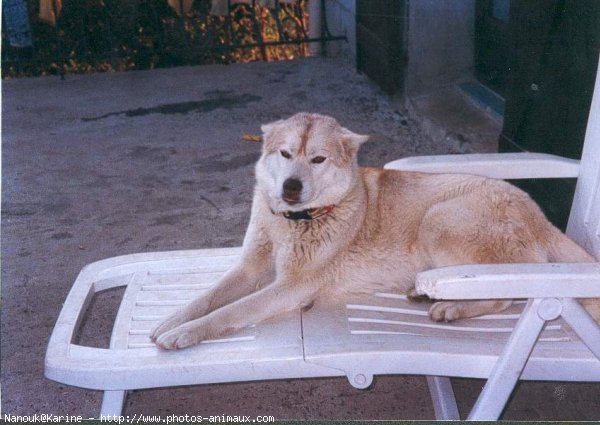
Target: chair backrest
584, 221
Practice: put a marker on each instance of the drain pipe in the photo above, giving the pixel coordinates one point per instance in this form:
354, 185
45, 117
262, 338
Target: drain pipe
315, 18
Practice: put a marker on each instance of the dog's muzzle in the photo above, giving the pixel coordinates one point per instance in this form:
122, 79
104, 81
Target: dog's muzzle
292, 188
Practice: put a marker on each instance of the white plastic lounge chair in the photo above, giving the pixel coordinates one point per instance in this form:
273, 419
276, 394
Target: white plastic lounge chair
548, 336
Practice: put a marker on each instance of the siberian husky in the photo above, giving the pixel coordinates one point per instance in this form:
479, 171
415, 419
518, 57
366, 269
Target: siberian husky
322, 228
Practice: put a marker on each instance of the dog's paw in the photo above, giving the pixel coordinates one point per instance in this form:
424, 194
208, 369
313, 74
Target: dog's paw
180, 337
166, 325
445, 311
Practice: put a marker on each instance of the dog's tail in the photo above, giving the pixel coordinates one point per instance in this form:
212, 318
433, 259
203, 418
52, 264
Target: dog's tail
564, 250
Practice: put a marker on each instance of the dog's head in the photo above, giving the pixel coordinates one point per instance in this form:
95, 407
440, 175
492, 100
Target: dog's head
308, 161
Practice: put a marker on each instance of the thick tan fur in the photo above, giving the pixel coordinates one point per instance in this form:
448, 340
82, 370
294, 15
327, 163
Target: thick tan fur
386, 226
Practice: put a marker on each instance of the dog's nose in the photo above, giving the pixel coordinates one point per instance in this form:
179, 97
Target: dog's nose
291, 190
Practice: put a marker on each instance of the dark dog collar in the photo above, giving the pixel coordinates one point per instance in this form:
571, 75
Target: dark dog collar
309, 214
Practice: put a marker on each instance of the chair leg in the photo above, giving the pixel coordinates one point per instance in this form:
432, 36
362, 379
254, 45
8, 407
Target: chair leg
582, 324
112, 403
442, 396
510, 364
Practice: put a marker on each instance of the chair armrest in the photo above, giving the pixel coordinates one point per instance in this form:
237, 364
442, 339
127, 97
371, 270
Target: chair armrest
523, 165
496, 281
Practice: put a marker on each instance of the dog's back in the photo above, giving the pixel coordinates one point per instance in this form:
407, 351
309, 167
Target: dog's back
416, 221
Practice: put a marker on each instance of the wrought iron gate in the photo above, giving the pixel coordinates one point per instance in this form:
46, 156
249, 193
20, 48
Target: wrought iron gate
102, 35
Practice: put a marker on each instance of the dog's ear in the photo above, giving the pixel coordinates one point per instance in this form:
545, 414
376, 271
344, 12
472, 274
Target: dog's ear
269, 131
350, 143
267, 128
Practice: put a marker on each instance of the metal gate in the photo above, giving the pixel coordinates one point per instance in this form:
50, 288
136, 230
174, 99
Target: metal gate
102, 35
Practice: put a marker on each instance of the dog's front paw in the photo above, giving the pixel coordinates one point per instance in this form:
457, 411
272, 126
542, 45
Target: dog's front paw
167, 325
445, 311
180, 337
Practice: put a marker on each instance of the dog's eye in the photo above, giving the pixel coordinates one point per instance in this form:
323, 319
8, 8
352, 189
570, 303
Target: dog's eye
285, 154
318, 159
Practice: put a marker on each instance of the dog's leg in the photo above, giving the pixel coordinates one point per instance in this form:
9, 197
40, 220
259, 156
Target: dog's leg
458, 231
271, 301
254, 269
448, 311
242, 280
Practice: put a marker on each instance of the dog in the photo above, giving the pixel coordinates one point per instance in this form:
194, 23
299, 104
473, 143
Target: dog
322, 228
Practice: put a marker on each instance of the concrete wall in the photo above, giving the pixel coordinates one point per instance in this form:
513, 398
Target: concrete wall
439, 40
440, 43
341, 19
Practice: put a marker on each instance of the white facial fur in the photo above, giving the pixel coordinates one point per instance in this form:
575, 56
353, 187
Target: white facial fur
305, 137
